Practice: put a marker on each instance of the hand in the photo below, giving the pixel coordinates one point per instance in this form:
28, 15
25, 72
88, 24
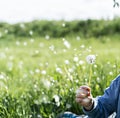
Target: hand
84, 97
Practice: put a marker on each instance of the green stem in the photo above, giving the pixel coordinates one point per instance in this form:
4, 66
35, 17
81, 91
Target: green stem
89, 83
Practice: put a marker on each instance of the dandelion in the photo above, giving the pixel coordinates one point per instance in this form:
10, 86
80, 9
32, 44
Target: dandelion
77, 38
81, 62
82, 46
0, 34
110, 73
17, 43
47, 37
59, 70
31, 32
67, 62
6, 31
75, 59
25, 43
63, 25
90, 59
66, 43
32, 40
43, 72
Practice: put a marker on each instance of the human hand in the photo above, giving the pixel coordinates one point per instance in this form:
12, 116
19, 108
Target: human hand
84, 97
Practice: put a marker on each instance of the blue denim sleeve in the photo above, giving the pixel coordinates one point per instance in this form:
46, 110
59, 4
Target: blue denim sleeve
105, 105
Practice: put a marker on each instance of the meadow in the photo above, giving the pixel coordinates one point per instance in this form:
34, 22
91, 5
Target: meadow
39, 76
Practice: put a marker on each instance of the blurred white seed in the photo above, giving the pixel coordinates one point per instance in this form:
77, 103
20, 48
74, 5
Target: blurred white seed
25, 43
81, 62
43, 72
63, 25
110, 73
67, 62
75, 59
66, 44
82, 46
31, 32
78, 38
47, 37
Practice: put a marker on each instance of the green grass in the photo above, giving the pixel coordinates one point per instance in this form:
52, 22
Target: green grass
29, 80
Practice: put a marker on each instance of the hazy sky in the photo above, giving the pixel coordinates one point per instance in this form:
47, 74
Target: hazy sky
13, 11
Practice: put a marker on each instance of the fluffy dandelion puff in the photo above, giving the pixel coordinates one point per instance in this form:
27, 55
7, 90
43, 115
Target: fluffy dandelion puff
91, 59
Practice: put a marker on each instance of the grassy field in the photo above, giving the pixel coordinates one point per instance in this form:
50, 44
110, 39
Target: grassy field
39, 77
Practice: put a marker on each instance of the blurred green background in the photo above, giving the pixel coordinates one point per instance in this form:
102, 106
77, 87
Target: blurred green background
42, 63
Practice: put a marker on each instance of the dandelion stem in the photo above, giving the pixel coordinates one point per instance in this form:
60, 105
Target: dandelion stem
89, 82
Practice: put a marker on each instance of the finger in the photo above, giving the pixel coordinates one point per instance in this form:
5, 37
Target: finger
82, 93
87, 88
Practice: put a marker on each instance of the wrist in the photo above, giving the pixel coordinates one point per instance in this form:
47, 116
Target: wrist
90, 106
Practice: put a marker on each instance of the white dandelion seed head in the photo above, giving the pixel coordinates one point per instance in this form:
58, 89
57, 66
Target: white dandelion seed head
43, 72
47, 37
67, 62
95, 66
77, 38
22, 25
75, 59
56, 97
37, 70
31, 32
91, 59
17, 43
52, 47
66, 44
0, 34
59, 70
63, 25
25, 43
32, 40
110, 73
81, 62
82, 46
6, 31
